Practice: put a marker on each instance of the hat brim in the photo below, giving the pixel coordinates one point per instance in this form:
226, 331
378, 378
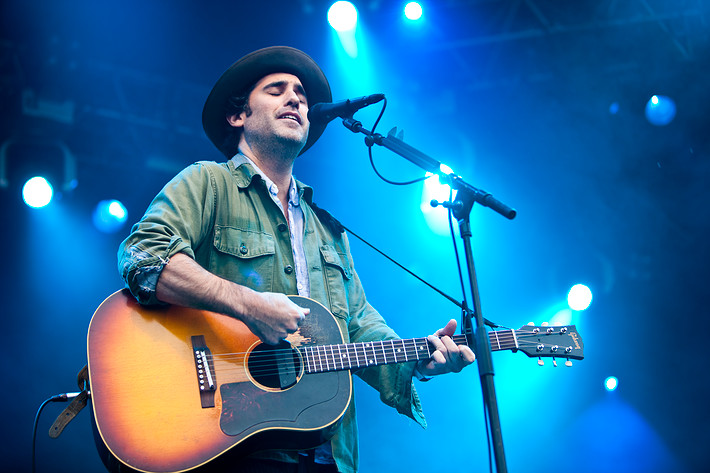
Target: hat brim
247, 71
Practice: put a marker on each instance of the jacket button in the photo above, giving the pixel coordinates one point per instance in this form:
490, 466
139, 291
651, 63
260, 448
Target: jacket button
282, 227
288, 269
243, 249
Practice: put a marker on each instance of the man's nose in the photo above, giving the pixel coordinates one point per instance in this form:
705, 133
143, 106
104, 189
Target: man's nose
293, 99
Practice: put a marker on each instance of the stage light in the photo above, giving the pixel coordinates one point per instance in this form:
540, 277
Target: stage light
579, 297
413, 11
660, 110
37, 192
611, 383
342, 16
109, 216
436, 217
445, 169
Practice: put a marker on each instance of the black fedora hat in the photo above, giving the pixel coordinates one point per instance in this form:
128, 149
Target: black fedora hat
246, 72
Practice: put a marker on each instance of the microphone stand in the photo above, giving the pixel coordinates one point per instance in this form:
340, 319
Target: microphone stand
466, 196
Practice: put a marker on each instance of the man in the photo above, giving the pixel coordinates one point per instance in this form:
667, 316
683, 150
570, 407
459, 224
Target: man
235, 238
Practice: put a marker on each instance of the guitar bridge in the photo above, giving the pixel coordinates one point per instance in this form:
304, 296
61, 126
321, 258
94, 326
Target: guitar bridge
204, 369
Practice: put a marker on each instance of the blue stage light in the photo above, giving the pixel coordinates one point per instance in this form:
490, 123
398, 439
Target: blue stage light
342, 16
109, 216
434, 189
413, 11
579, 297
611, 383
660, 110
37, 192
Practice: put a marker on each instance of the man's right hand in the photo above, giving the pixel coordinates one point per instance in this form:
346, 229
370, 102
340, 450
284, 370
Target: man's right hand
272, 317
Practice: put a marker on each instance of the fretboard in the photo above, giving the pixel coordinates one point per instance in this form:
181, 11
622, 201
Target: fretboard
347, 356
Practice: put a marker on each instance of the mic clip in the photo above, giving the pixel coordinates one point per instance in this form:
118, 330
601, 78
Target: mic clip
456, 205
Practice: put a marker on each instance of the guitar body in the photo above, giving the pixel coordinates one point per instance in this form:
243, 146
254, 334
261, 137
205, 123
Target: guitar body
151, 413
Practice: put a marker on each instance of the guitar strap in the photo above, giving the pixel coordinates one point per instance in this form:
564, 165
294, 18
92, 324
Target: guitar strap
74, 407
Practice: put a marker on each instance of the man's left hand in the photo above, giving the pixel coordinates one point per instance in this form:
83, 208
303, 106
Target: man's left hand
448, 356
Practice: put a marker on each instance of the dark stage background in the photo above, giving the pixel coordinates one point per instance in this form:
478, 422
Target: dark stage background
540, 102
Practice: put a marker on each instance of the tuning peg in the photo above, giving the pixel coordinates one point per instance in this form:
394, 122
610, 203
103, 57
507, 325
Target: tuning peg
544, 324
540, 362
531, 324
554, 362
568, 362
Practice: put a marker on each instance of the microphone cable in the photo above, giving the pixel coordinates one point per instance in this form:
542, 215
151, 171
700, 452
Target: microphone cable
64, 397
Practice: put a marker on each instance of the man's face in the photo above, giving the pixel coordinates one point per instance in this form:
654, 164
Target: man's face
277, 110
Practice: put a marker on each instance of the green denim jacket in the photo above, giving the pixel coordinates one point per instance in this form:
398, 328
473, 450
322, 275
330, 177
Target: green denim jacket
225, 219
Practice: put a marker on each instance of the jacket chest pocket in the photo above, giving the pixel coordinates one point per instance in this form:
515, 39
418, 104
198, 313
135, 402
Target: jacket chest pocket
337, 274
245, 257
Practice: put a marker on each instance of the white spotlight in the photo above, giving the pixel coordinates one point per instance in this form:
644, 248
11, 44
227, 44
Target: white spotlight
611, 383
342, 16
37, 192
413, 11
579, 297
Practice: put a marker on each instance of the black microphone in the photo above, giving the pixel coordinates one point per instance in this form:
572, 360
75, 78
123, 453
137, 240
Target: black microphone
325, 112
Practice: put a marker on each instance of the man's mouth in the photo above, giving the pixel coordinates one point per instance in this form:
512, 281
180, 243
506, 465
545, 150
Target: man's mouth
291, 116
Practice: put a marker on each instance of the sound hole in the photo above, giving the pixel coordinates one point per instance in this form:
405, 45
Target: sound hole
275, 366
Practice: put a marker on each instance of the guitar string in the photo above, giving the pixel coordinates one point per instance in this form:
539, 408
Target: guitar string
333, 365
410, 348
264, 363
270, 370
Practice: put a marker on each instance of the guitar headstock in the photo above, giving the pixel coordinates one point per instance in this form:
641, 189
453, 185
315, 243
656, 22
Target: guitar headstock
558, 341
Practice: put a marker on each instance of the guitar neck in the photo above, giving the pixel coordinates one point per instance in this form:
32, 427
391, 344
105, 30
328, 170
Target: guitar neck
347, 356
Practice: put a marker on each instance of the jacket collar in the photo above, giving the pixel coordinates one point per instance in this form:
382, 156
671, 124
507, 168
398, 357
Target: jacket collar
244, 175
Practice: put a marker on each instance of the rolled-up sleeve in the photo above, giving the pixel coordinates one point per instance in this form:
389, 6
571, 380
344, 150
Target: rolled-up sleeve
176, 221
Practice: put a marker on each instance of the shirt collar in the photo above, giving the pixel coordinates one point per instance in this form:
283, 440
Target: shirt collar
293, 192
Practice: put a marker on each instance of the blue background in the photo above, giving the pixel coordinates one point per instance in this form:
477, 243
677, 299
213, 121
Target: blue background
540, 102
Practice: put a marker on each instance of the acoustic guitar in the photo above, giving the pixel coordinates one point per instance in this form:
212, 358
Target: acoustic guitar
174, 388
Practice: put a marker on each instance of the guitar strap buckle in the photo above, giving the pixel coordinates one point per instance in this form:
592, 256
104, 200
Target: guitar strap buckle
74, 407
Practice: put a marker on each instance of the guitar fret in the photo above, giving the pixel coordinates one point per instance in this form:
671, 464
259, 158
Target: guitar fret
332, 357
405, 351
357, 354
308, 360
340, 355
384, 353
325, 355
347, 353
497, 340
354, 349
412, 348
423, 345
361, 357
320, 360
